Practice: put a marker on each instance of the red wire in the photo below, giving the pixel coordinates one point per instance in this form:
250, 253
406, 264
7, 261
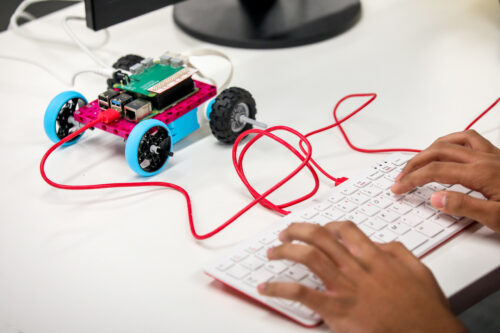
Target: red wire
305, 158
482, 114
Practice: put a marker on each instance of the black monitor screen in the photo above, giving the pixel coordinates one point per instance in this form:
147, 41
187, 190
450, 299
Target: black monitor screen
104, 13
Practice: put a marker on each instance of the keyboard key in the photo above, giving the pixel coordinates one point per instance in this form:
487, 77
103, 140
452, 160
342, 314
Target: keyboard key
275, 267
460, 188
374, 175
399, 228
322, 206
296, 273
435, 187
375, 224
412, 240
348, 190
423, 211
391, 176
399, 160
335, 197
224, 265
367, 231
387, 168
371, 190
332, 214
443, 220
383, 183
477, 195
315, 279
361, 183
238, 272
424, 192
368, 209
321, 220
359, 198
304, 311
253, 248
267, 239
312, 283
385, 236
429, 206
381, 201
413, 200
346, 206
388, 215
411, 220
356, 217
394, 197
401, 208
262, 254
429, 229
309, 214
258, 277
238, 256
252, 263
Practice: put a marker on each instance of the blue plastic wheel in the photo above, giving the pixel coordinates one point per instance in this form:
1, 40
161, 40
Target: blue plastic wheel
58, 121
148, 147
209, 108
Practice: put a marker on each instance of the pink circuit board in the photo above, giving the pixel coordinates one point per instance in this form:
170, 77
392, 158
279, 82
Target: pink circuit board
123, 127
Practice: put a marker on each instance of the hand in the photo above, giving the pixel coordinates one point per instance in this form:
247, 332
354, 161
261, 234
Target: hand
464, 158
369, 287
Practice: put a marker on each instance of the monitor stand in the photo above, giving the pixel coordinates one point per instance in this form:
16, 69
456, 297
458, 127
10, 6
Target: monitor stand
266, 24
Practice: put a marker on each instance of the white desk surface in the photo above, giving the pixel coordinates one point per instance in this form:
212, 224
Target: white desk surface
124, 261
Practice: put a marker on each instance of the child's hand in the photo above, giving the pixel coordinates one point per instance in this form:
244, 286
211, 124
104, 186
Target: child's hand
464, 158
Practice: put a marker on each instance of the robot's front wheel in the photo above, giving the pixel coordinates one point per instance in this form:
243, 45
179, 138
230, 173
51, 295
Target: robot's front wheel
59, 120
148, 147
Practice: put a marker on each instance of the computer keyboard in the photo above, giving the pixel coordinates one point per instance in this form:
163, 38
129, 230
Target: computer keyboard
365, 200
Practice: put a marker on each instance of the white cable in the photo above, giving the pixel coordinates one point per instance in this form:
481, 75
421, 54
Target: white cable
106, 72
46, 69
27, 16
20, 12
15, 28
207, 52
79, 43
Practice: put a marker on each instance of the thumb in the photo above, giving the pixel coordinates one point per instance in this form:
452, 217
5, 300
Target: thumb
486, 212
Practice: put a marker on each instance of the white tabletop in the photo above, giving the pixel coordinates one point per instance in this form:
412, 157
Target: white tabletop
123, 260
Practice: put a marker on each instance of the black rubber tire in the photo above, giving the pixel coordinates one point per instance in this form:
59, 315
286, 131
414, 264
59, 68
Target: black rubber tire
223, 110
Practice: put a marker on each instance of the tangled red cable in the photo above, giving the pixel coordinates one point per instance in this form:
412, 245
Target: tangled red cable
305, 157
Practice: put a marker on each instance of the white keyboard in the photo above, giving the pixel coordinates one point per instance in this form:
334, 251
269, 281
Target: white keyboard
367, 201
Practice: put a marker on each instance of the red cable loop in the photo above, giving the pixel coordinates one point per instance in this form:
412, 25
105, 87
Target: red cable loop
306, 161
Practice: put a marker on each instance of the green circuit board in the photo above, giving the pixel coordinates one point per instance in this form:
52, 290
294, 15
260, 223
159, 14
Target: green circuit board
140, 83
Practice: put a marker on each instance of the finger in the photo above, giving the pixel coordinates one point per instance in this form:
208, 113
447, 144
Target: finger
311, 298
322, 239
439, 151
454, 203
314, 259
470, 139
356, 242
441, 172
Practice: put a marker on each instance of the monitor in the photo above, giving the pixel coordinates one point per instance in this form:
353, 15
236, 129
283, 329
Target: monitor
240, 23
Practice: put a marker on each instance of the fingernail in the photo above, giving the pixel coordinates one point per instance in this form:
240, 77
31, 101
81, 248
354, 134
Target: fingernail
261, 287
395, 187
438, 199
269, 252
281, 236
